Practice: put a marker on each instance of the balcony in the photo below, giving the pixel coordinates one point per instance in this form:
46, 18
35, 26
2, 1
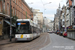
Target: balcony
68, 7
73, 3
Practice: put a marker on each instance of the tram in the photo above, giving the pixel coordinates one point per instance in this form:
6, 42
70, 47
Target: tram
26, 30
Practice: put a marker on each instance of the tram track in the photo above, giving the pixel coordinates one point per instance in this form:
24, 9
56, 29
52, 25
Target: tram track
38, 45
27, 47
34, 44
42, 45
20, 45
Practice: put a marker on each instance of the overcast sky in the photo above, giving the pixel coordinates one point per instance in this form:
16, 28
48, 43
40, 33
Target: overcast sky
48, 9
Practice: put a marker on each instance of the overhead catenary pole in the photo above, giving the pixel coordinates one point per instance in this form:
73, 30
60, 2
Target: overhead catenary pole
10, 22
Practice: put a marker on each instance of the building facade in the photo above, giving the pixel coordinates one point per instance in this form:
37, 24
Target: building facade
51, 26
19, 8
38, 18
56, 19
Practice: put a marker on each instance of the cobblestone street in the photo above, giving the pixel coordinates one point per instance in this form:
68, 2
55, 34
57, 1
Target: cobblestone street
36, 44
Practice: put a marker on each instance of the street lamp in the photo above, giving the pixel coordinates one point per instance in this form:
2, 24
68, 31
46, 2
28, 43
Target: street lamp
10, 22
47, 3
30, 3
44, 6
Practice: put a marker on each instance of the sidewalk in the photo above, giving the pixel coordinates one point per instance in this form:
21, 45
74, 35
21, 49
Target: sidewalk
3, 42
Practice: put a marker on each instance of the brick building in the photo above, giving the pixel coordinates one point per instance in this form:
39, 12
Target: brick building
19, 9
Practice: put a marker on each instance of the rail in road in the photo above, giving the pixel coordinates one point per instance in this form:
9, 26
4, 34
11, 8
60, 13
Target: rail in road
36, 44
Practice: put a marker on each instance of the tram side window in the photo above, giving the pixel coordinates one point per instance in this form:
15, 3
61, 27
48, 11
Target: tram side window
31, 29
34, 29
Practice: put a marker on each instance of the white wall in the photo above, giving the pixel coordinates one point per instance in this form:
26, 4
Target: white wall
38, 17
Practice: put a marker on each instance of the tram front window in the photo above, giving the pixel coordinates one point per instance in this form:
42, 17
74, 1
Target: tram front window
22, 28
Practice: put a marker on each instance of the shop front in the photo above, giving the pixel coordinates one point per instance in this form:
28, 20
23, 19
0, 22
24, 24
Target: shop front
5, 27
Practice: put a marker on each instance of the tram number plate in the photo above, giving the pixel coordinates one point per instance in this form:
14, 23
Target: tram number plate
21, 36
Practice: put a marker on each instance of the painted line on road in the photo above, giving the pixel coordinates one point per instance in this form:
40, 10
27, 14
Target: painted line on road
47, 45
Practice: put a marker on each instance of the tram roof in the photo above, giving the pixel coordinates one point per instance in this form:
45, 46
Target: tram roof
31, 22
23, 19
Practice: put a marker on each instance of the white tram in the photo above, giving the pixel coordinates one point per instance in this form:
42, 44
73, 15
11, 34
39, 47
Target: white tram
26, 30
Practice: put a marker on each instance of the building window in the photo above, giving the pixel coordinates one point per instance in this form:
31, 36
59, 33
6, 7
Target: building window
7, 8
15, 1
15, 11
21, 15
63, 23
4, 5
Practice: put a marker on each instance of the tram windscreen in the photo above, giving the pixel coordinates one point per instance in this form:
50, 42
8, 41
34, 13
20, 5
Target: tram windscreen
22, 27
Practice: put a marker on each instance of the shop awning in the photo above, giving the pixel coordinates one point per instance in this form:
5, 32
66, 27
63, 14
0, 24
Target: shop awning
4, 15
9, 23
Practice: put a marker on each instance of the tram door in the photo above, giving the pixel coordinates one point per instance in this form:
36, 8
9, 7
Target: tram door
1, 21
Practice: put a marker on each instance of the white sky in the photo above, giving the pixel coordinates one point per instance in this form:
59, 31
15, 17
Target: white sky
50, 8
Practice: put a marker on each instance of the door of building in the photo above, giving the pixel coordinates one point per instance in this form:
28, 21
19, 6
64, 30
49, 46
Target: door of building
1, 25
0, 6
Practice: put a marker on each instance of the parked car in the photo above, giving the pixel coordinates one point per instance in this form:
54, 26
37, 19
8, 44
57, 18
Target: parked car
61, 33
57, 32
50, 31
65, 34
53, 31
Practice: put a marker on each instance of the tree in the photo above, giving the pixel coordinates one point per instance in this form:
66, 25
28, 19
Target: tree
14, 19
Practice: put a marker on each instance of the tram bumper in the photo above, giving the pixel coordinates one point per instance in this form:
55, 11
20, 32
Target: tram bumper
23, 39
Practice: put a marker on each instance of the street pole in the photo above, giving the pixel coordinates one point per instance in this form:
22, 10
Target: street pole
10, 22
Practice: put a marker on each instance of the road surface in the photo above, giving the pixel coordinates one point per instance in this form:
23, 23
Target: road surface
36, 44
59, 43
